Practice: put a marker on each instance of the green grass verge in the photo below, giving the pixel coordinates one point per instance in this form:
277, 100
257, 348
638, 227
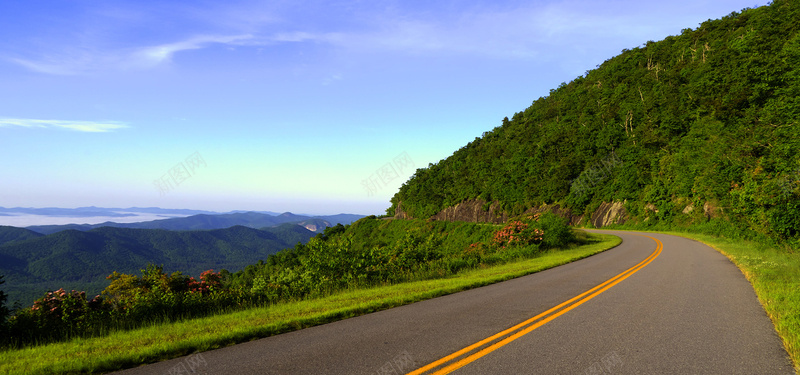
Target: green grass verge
775, 276
126, 349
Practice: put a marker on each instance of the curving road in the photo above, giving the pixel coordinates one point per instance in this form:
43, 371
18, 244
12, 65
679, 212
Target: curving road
656, 304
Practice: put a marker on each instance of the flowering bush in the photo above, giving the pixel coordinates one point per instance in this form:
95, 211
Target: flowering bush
209, 281
127, 302
61, 306
158, 294
57, 314
518, 233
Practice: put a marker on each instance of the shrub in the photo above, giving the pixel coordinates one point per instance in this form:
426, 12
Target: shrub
556, 231
59, 314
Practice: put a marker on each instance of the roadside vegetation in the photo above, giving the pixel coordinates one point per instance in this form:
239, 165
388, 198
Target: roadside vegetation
370, 265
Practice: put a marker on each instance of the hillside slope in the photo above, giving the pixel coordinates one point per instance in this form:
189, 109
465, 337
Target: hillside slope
77, 259
697, 126
10, 234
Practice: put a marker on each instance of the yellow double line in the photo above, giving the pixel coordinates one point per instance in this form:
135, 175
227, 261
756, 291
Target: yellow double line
452, 361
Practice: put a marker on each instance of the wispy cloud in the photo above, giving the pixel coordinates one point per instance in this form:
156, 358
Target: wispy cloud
162, 53
530, 31
81, 126
75, 61
69, 62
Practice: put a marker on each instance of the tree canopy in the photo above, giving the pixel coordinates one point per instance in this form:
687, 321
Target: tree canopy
707, 117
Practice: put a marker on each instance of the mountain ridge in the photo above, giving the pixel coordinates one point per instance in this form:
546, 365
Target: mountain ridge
696, 128
206, 221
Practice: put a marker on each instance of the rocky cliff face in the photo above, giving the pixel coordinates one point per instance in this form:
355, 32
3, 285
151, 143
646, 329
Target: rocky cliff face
399, 213
474, 211
481, 211
609, 213
574, 219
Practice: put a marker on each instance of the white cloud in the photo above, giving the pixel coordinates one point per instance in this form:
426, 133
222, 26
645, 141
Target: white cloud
75, 61
161, 53
81, 126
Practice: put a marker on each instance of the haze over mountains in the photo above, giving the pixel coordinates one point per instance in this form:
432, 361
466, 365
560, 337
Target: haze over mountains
214, 221
92, 211
48, 216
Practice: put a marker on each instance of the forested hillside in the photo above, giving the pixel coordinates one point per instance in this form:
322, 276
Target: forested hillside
10, 234
82, 260
698, 126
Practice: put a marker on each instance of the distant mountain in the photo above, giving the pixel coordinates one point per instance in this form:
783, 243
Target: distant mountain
82, 259
99, 211
292, 233
271, 213
207, 222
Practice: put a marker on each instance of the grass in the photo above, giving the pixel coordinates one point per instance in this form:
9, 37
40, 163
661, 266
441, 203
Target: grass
774, 274
126, 349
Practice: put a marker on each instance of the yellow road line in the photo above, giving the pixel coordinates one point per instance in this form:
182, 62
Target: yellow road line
545, 317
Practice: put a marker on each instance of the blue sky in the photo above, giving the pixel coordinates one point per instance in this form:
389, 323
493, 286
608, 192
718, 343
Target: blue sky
302, 106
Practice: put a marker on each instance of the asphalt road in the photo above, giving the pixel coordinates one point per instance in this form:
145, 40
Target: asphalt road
688, 311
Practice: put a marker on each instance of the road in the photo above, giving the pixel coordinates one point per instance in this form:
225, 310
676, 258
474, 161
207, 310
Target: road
656, 304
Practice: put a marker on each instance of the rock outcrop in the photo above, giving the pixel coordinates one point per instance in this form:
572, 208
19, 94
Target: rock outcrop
609, 213
480, 211
476, 211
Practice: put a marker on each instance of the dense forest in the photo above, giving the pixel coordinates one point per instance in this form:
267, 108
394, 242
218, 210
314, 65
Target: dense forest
34, 263
699, 126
